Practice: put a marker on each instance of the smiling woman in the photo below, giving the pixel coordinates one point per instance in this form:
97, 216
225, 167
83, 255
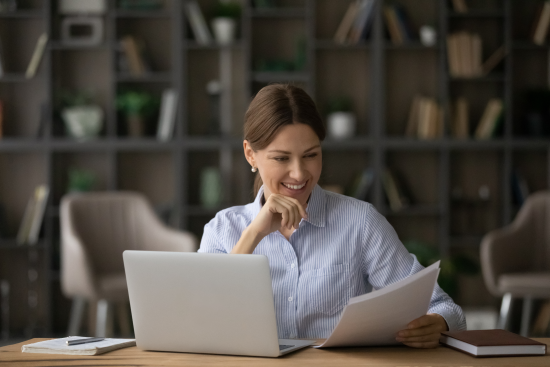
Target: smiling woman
323, 248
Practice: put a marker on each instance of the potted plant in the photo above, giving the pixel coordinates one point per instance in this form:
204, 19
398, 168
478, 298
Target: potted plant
137, 107
83, 119
81, 180
224, 22
341, 120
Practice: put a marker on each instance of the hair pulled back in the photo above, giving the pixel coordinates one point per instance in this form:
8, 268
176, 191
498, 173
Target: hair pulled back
274, 107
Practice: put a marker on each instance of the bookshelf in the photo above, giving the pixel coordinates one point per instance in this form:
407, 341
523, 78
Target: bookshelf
381, 79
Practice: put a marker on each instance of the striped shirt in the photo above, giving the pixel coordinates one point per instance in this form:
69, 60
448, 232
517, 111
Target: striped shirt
344, 249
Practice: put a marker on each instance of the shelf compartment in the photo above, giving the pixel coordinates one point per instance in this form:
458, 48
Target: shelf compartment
23, 14
193, 45
269, 77
154, 77
278, 13
329, 44
141, 14
478, 14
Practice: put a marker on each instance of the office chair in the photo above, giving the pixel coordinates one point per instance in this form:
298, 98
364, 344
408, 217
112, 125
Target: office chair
95, 229
515, 260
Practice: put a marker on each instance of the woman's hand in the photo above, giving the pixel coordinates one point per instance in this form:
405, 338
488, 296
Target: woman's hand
278, 212
424, 332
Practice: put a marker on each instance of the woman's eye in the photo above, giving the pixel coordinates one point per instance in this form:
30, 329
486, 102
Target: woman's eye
313, 155
280, 159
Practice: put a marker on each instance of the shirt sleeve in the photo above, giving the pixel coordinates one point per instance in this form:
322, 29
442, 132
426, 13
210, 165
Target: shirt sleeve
386, 261
211, 241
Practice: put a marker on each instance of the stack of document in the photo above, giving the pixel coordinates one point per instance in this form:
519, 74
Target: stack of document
375, 318
59, 346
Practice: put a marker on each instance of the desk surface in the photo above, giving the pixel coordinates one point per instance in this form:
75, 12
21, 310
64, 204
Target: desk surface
369, 356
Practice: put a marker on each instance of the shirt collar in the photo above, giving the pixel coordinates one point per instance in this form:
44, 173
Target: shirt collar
316, 207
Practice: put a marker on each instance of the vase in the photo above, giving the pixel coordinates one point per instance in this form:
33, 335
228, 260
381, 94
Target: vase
224, 29
83, 122
341, 125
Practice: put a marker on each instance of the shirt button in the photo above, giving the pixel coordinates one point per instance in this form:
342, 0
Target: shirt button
289, 299
292, 266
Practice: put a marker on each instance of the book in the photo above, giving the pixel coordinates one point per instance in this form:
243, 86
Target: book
488, 343
59, 346
493, 60
397, 195
197, 22
362, 184
540, 30
453, 53
460, 6
135, 63
37, 56
460, 119
167, 116
412, 121
489, 120
405, 23
476, 55
392, 23
33, 216
344, 28
41, 194
362, 21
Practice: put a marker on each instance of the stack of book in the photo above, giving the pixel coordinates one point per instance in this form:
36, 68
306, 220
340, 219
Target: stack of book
425, 118
356, 23
399, 24
465, 55
542, 21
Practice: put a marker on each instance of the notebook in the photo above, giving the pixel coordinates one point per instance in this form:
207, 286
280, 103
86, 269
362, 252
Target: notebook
491, 343
59, 346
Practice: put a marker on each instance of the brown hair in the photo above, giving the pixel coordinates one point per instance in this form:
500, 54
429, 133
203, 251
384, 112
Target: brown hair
274, 107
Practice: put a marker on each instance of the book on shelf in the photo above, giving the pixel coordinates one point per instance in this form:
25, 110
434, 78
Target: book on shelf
362, 184
460, 6
460, 118
356, 23
36, 56
395, 190
167, 116
493, 60
465, 53
520, 188
486, 343
425, 120
488, 123
197, 22
33, 217
133, 59
539, 30
399, 24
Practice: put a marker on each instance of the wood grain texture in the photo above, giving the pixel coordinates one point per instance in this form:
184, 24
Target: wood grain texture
380, 356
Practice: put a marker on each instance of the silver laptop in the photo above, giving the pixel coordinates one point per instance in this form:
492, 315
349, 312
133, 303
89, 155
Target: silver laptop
204, 303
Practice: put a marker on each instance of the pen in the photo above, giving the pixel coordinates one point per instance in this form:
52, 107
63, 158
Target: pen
84, 341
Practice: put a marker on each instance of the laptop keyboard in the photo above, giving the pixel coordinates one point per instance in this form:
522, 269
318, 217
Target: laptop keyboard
283, 347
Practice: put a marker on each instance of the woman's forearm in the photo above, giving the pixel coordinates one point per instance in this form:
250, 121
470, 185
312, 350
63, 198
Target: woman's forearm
248, 242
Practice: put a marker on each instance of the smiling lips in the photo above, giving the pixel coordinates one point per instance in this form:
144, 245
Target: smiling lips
294, 187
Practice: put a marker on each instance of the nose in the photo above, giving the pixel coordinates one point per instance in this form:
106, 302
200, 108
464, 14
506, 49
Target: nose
297, 170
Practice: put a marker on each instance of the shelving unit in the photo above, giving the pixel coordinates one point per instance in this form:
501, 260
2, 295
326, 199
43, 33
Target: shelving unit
381, 78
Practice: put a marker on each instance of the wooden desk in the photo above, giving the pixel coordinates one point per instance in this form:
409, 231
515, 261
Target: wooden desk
381, 356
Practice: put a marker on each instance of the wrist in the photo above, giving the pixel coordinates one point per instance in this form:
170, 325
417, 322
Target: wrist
248, 241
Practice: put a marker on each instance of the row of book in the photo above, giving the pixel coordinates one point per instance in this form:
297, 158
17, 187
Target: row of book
465, 55
426, 119
356, 23
36, 57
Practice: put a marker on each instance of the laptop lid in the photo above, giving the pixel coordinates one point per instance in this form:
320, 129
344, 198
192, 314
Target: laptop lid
202, 303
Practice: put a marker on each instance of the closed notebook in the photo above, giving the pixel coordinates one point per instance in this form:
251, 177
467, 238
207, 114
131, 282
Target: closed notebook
492, 343
59, 346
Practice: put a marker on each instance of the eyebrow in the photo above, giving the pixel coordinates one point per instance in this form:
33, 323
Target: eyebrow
285, 152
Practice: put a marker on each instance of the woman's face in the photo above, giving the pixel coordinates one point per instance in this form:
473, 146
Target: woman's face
291, 164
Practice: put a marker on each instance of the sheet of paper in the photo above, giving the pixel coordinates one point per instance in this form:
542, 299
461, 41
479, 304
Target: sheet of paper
375, 318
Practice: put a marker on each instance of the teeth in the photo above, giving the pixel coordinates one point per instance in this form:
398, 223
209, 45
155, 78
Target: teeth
294, 187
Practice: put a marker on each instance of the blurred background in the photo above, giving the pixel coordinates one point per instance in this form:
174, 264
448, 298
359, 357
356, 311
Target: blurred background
437, 113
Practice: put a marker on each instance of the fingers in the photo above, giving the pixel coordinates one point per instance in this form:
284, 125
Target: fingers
419, 331
290, 209
432, 344
422, 338
421, 321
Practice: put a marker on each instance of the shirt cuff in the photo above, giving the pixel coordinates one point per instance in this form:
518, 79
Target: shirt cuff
455, 320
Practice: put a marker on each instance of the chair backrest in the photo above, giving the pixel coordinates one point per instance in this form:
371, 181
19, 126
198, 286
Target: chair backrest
109, 223
535, 214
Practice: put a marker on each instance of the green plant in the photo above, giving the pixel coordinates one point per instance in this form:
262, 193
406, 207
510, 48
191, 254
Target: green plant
450, 267
81, 180
339, 104
136, 103
227, 9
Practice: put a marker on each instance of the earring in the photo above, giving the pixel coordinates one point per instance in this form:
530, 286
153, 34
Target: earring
254, 169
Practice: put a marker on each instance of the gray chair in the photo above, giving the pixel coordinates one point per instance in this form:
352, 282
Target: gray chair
95, 229
516, 259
